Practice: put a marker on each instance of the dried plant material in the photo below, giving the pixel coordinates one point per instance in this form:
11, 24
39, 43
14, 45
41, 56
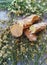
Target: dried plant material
16, 30
28, 21
38, 27
30, 36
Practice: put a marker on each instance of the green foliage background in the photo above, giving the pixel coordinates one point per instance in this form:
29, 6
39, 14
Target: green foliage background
4, 4
24, 7
28, 7
14, 50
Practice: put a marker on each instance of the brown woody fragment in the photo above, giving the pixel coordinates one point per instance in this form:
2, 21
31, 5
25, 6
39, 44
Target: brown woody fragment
30, 36
28, 21
16, 30
38, 27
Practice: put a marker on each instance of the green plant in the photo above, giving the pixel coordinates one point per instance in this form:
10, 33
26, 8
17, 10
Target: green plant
27, 7
4, 4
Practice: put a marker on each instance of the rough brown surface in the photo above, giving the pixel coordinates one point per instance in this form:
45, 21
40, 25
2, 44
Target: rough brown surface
38, 27
30, 36
28, 21
16, 30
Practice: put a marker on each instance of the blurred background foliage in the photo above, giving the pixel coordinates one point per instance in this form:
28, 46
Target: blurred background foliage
14, 50
4, 4
28, 7
24, 7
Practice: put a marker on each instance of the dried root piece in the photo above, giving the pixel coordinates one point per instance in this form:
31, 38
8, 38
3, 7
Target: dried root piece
38, 27
30, 36
28, 21
16, 30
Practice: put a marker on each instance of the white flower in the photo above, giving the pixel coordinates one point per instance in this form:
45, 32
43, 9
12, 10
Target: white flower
5, 55
26, 56
4, 47
43, 3
12, 41
2, 52
21, 0
8, 52
26, 6
39, 1
0, 40
9, 59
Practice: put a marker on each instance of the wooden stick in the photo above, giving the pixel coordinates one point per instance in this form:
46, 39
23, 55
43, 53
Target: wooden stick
38, 27
30, 36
